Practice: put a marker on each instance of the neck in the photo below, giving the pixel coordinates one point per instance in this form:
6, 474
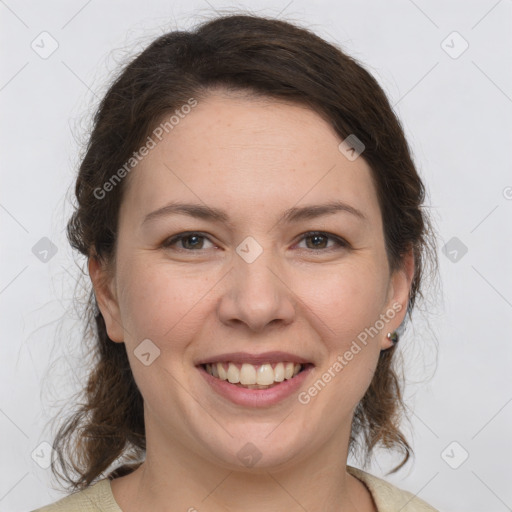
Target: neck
174, 478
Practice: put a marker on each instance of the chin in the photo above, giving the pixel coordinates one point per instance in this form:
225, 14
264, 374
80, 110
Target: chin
254, 449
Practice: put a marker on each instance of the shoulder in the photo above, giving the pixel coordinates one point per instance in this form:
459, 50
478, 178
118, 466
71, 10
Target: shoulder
389, 498
96, 498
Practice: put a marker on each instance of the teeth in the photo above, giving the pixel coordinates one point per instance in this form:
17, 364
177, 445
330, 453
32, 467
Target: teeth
265, 375
279, 372
247, 374
222, 372
233, 374
254, 377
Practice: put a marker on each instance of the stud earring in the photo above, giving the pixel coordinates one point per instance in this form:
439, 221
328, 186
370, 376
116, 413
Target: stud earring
393, 337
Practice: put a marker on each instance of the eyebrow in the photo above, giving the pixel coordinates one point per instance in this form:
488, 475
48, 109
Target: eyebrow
291, 215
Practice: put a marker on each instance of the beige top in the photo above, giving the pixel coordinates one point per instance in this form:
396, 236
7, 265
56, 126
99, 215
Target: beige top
99, 498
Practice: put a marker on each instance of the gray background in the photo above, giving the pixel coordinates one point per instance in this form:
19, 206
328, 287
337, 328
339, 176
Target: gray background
456, 110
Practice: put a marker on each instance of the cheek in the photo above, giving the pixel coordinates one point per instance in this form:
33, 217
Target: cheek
346, 299
346, 306
163, 301
159, 301
167, 306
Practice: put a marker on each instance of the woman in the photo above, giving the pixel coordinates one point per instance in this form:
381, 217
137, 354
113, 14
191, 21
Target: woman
252, 222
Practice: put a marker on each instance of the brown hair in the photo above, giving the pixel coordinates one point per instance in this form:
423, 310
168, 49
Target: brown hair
266, 57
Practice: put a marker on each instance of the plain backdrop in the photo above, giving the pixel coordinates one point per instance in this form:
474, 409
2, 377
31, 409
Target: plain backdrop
446, 68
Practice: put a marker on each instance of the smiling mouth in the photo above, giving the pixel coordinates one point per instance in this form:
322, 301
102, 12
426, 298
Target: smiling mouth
249, 376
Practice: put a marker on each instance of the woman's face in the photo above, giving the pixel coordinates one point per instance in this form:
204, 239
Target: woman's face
250, 283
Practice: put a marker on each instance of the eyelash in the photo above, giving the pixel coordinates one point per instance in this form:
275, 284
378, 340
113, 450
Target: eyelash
340, 242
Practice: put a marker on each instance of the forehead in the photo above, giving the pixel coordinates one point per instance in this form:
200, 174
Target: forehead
251, 155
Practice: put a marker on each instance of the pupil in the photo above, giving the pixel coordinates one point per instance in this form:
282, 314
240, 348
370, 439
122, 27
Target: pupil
317, 238
190, 237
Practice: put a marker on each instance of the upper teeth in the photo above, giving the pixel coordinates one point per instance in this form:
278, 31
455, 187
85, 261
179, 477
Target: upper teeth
249, 374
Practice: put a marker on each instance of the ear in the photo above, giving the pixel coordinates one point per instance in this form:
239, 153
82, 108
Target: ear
104, 289
398, 295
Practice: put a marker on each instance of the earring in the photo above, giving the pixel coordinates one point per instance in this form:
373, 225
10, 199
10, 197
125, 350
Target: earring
393, 337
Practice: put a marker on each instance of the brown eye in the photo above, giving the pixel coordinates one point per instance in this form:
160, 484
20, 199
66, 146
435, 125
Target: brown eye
319, 240
190, 241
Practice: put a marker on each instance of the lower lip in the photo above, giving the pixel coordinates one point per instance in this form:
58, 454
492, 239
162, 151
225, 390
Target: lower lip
256, 397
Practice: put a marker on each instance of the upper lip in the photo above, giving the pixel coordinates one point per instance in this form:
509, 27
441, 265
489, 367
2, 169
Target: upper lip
246, 357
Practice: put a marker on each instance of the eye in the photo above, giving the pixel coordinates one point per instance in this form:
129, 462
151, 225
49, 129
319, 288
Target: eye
320, 239
194, 241
190, 241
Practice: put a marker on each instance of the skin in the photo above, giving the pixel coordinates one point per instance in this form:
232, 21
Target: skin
253, 158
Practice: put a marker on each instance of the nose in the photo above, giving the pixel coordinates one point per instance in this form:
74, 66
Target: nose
257, 294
